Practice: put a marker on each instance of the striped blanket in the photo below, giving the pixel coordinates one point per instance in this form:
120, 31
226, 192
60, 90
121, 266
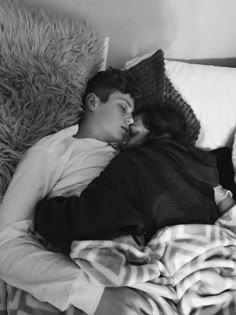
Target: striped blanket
184, 269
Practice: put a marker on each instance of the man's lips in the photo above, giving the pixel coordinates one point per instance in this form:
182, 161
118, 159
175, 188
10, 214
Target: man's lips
125, 129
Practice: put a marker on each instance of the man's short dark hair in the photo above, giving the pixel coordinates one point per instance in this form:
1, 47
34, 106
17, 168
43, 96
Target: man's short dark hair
104, 83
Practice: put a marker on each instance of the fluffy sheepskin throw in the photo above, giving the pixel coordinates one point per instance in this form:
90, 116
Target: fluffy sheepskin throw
46, 60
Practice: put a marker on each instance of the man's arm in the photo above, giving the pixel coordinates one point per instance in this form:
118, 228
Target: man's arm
49, 277
55, 279
24, 262
106, 209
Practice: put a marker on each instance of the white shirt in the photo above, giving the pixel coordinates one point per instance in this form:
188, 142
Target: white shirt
60, 165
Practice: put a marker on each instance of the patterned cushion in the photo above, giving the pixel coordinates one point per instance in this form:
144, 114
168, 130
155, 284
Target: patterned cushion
150, 74
158, 89
192, 124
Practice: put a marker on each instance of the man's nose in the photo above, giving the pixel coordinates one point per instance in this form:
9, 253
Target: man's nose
129, 121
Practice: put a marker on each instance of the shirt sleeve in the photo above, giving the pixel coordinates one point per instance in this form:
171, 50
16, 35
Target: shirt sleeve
49, 277
107, 208
36, 174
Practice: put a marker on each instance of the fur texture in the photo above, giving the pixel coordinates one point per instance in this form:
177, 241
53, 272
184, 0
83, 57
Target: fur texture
46, 60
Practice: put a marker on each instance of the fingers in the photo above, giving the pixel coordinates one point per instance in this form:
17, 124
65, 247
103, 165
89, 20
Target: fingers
136, 312
124, 301
132, 311
141, 303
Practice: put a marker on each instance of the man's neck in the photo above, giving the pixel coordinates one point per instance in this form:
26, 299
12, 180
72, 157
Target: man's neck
88, 130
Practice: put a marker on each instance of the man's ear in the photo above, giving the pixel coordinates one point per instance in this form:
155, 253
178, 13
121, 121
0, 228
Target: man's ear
92, 102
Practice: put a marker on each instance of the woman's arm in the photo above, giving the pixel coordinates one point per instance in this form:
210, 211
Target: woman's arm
106, 209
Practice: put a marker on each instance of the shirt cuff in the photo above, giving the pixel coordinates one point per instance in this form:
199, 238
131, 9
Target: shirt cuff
14, 230
221, 193
87, 299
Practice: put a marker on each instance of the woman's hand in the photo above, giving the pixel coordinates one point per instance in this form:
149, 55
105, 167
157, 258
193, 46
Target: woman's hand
223, 198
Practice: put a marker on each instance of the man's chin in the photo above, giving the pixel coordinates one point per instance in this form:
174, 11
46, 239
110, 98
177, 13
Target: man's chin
123, 142
132, 141
128, 143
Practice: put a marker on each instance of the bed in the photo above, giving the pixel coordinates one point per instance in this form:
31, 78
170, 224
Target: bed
35, 72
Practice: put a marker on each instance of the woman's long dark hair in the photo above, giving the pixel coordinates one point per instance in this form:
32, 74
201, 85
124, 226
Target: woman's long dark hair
164, 120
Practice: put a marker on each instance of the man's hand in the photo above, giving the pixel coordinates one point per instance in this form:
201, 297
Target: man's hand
122, 301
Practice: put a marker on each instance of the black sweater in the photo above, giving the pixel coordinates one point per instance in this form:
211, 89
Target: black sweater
142, 190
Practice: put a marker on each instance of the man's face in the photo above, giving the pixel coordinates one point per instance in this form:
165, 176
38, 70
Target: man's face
115, 116
138, 131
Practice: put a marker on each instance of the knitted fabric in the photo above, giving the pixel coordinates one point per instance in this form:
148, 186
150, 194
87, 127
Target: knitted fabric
149, 75
192, 124
158, 90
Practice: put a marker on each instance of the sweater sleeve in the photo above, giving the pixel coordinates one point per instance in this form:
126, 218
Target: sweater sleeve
107, 208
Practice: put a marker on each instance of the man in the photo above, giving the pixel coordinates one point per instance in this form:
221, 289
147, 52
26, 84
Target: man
53, 277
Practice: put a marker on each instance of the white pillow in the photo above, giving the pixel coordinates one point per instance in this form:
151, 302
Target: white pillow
211, 92
234, 157
105, 54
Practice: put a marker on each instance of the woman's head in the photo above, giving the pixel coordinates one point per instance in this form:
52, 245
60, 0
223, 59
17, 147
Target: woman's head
153, 121
138, 130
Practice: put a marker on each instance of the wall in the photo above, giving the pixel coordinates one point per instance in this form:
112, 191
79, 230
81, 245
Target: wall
184, 29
